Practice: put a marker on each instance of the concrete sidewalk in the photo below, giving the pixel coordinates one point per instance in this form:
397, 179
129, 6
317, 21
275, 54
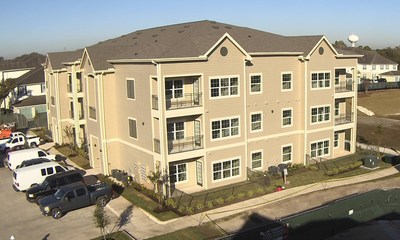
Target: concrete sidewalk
142, 225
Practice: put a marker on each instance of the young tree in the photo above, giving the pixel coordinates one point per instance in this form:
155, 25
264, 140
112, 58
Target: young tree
156, 178
6, 86
101, 220
69, 134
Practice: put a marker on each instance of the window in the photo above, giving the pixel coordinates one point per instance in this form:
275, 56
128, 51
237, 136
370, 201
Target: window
319, 149
226, 169
178, 173
255, 84
224, 128
43, 171
373, 67
53, 101
387, 66
336, 140
174, 89
256, 160
50, 170
320, 114
364, 66
80, 192
132, 128
287, 153
394, 67
337, 109
41, 154
222, 87
256, 120
70, 195
176, 130
130, 88
59, 169
286, 81
320, 80
286, 117
382, 67
92, 112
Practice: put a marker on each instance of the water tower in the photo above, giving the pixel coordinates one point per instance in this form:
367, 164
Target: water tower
353, 39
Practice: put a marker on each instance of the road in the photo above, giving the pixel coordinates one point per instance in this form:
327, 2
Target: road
23, 220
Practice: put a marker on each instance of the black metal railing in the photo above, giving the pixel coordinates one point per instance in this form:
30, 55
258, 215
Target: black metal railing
185, 144
344, 118
344, 87
188, 100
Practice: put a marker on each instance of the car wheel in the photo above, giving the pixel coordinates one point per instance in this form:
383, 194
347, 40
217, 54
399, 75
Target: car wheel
33, 145
38, 199
56, 213
102, 201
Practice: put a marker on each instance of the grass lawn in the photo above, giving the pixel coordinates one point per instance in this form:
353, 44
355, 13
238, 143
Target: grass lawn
382, 103
116, 236
73, 156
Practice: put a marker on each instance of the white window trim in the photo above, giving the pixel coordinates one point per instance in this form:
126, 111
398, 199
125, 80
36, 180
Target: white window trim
134, 89
219, 77
225, 160
251, 158
335, 134
258, 130
261, 83
322, 88
129, 132
187, 174
291, 117
220, 119
321, 122
291, 82
322, 140
291, 153
184, 130
173, 89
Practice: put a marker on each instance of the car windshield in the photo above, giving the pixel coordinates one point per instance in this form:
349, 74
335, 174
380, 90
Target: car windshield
44, 184
59, 194
9, 140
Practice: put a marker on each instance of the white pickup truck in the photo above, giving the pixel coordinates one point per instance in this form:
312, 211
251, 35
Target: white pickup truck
19, 139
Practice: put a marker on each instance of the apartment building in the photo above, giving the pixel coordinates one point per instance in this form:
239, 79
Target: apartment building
204, 102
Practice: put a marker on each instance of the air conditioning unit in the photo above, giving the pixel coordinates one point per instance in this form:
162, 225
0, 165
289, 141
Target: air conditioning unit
371, 162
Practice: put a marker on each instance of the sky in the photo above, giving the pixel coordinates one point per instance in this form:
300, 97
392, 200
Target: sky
45, 26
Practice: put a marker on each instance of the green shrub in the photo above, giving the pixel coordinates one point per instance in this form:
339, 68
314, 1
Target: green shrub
200, 206
189, 210
182, 209
260, 191
171, 203
250, 193
240, 195
220, 201
231, 198
313, 168
209, 204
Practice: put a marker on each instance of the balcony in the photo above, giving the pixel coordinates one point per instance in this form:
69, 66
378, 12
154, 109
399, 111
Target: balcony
71, 115
78, 87
185, 144
344, 118
344, 86
189, 100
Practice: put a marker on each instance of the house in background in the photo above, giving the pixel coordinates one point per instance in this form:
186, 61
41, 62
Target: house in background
373, 66
205, 102
28, 64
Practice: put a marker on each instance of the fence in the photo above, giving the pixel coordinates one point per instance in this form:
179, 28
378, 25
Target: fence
326, 165
378, 86
256, 181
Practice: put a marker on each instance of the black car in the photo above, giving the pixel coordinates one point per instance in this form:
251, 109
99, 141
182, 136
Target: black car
51, 184
33, 161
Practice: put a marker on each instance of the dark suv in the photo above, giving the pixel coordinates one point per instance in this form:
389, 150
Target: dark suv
51, 184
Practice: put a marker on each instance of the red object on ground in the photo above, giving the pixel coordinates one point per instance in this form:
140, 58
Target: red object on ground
279, 188
5, 133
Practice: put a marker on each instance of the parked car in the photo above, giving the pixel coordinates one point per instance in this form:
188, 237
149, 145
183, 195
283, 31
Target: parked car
51, 184
20, 139
12, 135
75, 196
33, 161
15, 158
27, 177
17, 148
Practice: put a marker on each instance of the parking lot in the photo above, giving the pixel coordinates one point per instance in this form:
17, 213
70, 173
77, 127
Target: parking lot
23, 220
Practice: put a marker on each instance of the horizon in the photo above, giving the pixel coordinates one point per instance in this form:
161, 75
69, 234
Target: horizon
99, 21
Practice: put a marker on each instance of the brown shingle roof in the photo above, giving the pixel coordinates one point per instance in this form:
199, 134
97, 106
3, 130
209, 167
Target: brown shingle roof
32, 77
31, 100
370, 57
58, 58
192, 40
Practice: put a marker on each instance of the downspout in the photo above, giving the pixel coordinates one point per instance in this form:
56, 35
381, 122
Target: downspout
75, 104
355, 104
57, 104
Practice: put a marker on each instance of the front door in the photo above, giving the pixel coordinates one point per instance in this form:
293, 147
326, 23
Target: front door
95, 151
